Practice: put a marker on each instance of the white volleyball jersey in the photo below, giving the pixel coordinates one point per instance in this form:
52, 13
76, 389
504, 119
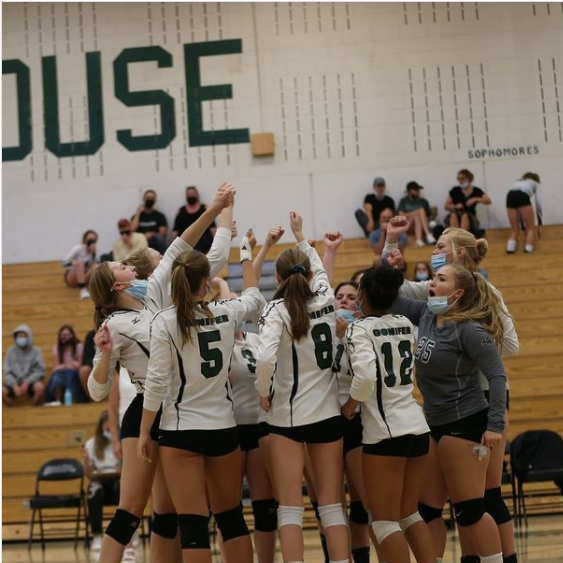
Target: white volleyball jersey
243, 379
127, 392
190, 379
382, 362
341, 367
298, 373
130, 330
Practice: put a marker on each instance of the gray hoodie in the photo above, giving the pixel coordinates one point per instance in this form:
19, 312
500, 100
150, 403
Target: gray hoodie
23, 364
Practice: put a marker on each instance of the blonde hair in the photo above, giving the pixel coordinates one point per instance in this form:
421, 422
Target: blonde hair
478, 303
475, 249
294, 267
142, 261
188, 271
101, 291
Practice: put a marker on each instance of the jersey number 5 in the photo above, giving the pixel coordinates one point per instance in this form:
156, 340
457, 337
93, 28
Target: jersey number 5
405, 369
213, 357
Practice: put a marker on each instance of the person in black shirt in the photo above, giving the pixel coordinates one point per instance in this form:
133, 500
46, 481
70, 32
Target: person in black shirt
88, 353
150, 222
462, 202
190, 213
374, 204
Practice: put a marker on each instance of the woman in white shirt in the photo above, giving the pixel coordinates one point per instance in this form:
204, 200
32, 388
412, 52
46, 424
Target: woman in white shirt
298, 388
519, 205
128, 305
191, 347
80, 262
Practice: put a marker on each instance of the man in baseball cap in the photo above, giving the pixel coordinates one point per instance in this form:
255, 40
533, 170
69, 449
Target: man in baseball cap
374, 204
128, 240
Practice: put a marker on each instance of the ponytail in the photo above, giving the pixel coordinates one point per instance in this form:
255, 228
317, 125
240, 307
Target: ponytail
188, 271
101, 291
294, 268
479, 302
475, 249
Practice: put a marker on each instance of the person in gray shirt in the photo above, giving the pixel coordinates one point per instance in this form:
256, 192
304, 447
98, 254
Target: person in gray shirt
459, 331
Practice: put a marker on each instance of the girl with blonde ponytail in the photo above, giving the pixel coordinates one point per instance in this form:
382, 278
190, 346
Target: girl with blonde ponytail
299, 390
458, 246
126, 305
191, 347
459, 331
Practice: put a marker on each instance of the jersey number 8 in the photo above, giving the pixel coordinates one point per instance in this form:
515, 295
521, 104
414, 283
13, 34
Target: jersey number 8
322, 338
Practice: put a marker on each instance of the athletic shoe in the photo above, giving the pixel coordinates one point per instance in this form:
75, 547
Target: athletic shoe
129, 556
84, 293
430, 239
511, 246
96, 543
420, 243
528, 249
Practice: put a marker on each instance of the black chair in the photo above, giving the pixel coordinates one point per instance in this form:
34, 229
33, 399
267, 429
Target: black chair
536, 456
72, 495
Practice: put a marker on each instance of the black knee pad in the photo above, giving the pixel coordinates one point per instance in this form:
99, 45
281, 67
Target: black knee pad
429, 513
165, 525
232, 523
360, 555
496, 507
265, 515
469, 512
194, 531
358, 513
315, 506
123, 526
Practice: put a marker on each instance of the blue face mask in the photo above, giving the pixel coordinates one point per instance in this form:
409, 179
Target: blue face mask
348, 316
240, 326
22, 341
440, 305
438, 261
421, 276
138, 289
107, 434
464, 185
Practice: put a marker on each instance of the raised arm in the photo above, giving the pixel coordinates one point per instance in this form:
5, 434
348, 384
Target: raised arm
273, 236
219, 252
105, 360
270, 330
362, 362
331, 241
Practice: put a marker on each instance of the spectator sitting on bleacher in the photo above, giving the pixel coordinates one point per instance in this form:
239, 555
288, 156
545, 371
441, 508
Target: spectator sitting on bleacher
80, 263
417, 209
189, 214
150, 222
374, 204
128, 240
462, 202
102, 468
67, 356
24, 369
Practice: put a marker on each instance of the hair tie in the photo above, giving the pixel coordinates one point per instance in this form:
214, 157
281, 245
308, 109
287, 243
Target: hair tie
98, 309
297, 269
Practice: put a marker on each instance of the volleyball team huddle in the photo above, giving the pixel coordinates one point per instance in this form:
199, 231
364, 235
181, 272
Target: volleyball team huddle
325, 388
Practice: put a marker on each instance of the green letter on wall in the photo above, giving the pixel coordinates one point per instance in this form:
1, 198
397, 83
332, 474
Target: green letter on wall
95, 108
197, 94
144, 98
23, 86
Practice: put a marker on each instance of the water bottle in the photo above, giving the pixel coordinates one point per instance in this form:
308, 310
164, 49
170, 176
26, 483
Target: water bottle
68, 397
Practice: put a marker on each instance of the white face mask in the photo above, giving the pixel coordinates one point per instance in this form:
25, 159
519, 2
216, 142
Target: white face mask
464, 185
107, 434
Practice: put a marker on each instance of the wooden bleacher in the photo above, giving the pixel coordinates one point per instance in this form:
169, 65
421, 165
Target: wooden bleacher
532, 286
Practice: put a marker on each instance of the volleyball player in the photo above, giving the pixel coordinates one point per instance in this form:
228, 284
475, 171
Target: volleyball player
457, 246
191, 348
297, 386
395, 433
127, 306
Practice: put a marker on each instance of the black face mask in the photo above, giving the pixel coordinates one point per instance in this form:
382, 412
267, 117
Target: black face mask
192, 200
149, 203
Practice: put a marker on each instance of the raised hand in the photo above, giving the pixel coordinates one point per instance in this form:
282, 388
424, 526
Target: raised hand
296, 223
394, 258
251, 238
103, 340
224, 197
333, 240
274, 235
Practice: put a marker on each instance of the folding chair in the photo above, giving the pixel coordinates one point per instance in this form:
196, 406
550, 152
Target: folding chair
71, 495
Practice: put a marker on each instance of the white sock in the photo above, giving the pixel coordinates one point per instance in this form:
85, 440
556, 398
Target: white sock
496, 558
511, 245
529, 248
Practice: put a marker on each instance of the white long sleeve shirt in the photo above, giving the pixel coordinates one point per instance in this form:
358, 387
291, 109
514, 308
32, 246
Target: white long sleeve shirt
381, 353
298, 373
130, 330
190, 379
